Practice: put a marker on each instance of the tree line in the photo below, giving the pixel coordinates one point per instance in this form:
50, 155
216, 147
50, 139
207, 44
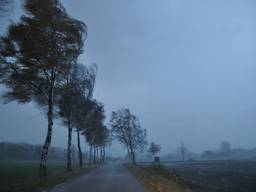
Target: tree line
39, 62
24, 151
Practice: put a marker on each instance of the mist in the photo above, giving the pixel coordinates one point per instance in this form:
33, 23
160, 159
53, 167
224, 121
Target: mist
186, 69
127, 95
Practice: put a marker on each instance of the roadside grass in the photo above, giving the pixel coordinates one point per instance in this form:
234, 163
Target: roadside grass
23, 177
158, 180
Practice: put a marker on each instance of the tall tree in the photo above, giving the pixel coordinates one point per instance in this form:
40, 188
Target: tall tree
94, 126
36, 54
67, 94
86, 81
126, 128
101, 140
77, 88
80, 122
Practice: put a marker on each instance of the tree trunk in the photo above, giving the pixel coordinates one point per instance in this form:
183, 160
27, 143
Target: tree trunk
104, 154
94, 154
101, 159
97, 155
101, 154
129, 153
80, 154
133, 156
131, 149
90, 155
47, 142
69, 155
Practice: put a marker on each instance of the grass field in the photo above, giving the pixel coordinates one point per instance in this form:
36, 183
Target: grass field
23, 176
218, 176
199, 176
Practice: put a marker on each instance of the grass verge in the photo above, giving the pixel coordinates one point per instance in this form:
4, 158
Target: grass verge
158, 179
24, 178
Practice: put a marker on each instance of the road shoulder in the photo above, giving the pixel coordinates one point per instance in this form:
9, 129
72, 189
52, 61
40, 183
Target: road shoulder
155, 180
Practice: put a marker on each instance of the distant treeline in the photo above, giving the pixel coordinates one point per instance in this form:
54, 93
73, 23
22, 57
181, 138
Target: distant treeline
214, 155
224, 152
24, 151
232, 154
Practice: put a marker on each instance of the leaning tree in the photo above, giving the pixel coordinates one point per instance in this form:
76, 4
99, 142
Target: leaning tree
81, 111
127, 129
85, 83
72, 98
66, 101
36, 54
103, 139
93, 126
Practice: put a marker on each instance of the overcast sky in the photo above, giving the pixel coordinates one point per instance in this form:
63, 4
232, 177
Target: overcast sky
185, 68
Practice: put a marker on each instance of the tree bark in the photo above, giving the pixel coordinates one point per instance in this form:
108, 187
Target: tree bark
90, 155
47, 142
133, 157
94, 154
103, 154
97, 154
80, 154
132, 154
69, 155
129, 153
132, 151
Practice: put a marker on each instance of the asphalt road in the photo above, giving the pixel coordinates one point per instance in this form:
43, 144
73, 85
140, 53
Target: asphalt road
107, 178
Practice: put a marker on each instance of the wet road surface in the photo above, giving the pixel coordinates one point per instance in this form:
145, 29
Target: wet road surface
107, 178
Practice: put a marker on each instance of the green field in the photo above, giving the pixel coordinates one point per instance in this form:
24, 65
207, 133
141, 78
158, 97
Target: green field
23, 176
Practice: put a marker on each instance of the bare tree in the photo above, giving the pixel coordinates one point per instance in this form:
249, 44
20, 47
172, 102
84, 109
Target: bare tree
154, 149
126, 128
36, 55
182, 150
225, 147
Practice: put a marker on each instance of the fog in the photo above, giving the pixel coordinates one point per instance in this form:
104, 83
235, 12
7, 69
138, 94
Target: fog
185, 68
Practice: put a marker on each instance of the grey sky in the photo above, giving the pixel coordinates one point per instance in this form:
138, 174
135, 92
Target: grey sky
185, 68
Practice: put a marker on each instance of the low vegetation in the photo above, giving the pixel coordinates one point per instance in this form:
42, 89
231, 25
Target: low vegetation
199, 176
157, 179
23, 177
